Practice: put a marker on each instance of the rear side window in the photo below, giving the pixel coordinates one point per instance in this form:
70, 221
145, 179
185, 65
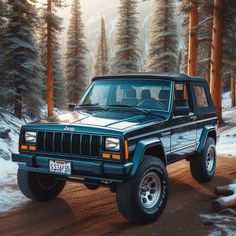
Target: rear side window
200, 95
202, 98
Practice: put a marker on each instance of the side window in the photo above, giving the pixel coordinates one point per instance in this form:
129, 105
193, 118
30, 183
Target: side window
182, 96
200, 95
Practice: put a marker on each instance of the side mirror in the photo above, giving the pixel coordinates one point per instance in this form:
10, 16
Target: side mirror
181, 111
71, 106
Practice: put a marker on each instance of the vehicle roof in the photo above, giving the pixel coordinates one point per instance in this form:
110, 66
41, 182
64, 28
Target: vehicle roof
179, 77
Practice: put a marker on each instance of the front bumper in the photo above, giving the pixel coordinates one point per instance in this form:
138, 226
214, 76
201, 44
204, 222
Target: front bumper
80, 168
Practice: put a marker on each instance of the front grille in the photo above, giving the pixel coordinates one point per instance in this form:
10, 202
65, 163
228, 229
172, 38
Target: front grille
68, 143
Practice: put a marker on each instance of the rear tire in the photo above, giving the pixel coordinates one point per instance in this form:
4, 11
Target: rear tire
142, 199
39, 187
203, 166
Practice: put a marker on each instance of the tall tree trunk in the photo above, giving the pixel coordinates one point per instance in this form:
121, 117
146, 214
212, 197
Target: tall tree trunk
232, 91
193, 40
49, 63
216, 58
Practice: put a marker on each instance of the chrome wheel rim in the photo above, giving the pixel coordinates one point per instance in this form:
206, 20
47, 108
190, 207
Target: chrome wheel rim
150, 190
210, 160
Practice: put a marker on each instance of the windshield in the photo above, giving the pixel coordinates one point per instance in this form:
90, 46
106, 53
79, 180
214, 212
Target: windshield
143, 94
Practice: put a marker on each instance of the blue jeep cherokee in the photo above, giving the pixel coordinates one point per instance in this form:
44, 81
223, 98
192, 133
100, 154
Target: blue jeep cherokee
122, 134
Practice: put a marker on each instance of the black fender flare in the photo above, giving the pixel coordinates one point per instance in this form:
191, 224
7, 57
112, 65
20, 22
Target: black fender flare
140, 149
205, 133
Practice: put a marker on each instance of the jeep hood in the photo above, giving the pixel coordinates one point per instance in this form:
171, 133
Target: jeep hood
119, 120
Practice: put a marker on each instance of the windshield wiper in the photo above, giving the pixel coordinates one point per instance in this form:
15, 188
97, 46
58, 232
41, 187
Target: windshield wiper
146, 112
95, 105
130, 106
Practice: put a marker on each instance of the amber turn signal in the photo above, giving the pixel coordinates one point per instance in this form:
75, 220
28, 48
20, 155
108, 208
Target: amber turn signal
116, 156
106, 155
24, 147
32, 148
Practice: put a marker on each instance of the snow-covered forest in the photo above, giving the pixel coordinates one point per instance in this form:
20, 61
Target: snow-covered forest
39, 67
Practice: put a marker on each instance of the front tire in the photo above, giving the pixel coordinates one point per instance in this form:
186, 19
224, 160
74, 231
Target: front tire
39, 187
142, 199
203, 166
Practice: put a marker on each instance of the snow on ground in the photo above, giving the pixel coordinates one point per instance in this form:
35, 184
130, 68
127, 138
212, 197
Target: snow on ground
10, 195
9, 145
226, 144
224, 222
226, 100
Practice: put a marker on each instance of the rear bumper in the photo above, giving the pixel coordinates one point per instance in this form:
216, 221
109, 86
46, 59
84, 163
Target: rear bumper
88, 169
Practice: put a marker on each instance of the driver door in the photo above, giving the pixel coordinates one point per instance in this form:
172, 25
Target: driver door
183, 128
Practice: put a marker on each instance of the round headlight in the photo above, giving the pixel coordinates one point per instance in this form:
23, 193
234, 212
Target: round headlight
112, 144
30, 137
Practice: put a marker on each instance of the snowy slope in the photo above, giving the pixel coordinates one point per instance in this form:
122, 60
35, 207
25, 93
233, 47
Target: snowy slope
227, 138
9, 145
10, 196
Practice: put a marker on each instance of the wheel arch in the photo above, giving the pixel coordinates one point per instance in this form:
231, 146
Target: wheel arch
153, 147
208, 131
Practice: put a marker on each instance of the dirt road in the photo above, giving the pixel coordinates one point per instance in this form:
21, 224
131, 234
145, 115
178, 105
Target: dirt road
79, 211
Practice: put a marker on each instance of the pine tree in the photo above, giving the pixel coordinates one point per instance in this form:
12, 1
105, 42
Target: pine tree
21, 81
163, 43
3, 19
127, 55
59, 81
57, 63
229, 42
185, 9
76, 70
101, 61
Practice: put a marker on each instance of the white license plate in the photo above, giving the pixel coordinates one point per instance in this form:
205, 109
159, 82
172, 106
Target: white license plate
60, 167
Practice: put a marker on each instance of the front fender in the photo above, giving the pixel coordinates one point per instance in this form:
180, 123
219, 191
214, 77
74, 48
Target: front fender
141, 147
205, 133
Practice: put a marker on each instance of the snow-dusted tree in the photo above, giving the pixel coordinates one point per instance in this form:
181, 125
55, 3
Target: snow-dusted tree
21, 81
185, 9
3, 11
101, 66
57, 63
163, 39
127, 55
59, 94
76, 71
229, 42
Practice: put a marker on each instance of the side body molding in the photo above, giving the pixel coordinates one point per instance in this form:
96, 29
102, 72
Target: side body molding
140, 149
206, 130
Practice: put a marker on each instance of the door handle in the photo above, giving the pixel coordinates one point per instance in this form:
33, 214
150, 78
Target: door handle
165, 133
193, 117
